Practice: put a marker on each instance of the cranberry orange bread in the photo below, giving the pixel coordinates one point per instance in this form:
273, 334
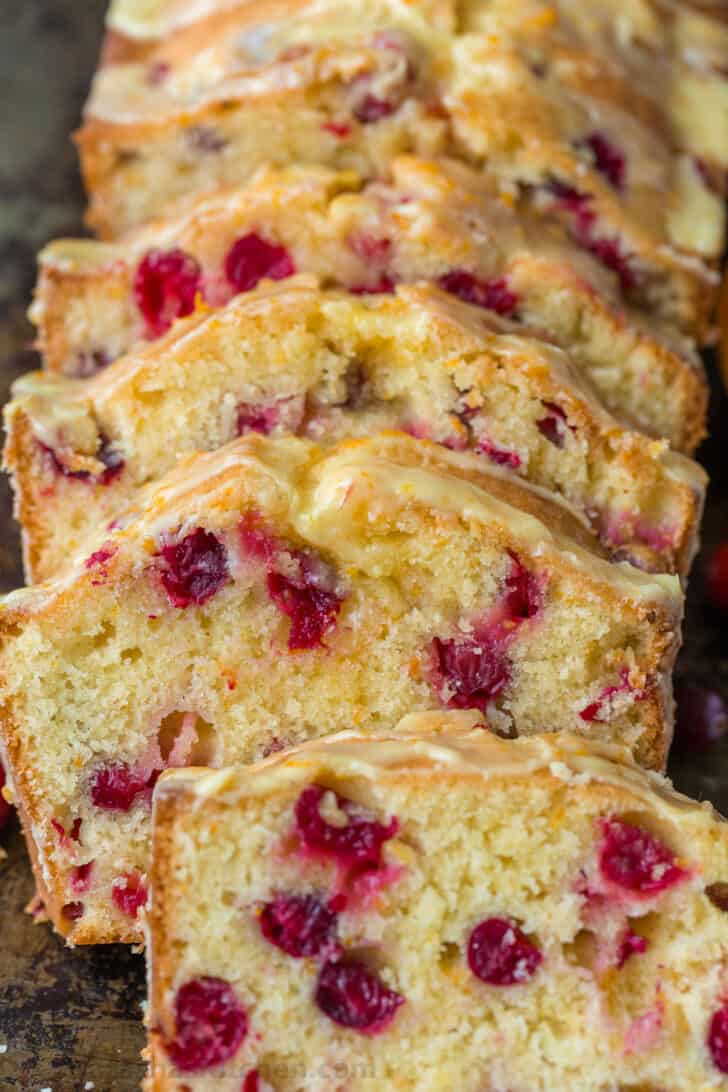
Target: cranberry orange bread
327, 365
446, 910
218, 114
436, 222
272, 592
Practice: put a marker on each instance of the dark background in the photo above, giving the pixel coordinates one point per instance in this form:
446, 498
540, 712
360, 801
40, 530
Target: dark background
72, 1017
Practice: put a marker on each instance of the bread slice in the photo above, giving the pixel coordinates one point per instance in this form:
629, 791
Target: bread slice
439, 222
444, 910
274, 591
291, 358
320, 83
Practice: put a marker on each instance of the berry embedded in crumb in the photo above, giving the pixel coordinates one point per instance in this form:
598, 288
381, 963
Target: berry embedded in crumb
129, 893
72, 911
717, 577
116, 786
263, 417
303, 597
251, 1082
635, 860
210, 1025
522, 599
495, 295
383, 286
601, 708
5, 809
718, 1039
583, 220
300, 925
194, 569
80, 880
470, 673
355, 997
251, 258
110, 459
166, 286
553, 426
608, 159
701, 718
357, 841
370, 108
630, 944
500, 954
338, 129
499, 455
370, 248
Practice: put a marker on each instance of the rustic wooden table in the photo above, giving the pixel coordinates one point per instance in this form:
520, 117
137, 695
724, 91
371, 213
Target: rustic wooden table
71, 1020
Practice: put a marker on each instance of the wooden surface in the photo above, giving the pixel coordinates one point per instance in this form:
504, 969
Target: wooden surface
67, 1017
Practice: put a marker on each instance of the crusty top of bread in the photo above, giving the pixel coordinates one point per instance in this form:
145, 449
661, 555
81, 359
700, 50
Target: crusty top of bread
334, 498
441, 742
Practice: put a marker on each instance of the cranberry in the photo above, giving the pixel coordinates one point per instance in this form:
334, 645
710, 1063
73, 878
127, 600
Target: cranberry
607, 251
499, 455
115, 786
522, 599
500, 954
635, 860
611, 255
300, 925
129, 893
256, 542
594, 711
354, 997
111, 460
495, 295
718, 1039
384, 286
251, 258
5, 810
359, 842
210, 1025
73, 835
370, 248
165, 288
337, 128
72, 911
100, 557
553, 426
717, 577
312, 608
630, 944
81, 878
472, 672
264, 417
371, 108
251, 1082
702, 717
608, 159
193, 569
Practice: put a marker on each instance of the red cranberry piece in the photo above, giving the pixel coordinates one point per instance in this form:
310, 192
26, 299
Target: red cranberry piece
5, 810
72, 911
193, 569
251, 258
499, 455
630, 944
495, 295
112, 461
256, 542
718, 1039
129, 893
594, 711
311, 608
608, 159
210, 1025
300, 925
471, 672
73, 835
717, 577
115, 786
165, 287
702, 717
264, 417
553, 426
358, 843
100, 557
635, 860
370, 108
611, 255
354, 997
384, 286
81, 878
370, 248
607, 251
251, 1082
522, 599
501, 954
337, 128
